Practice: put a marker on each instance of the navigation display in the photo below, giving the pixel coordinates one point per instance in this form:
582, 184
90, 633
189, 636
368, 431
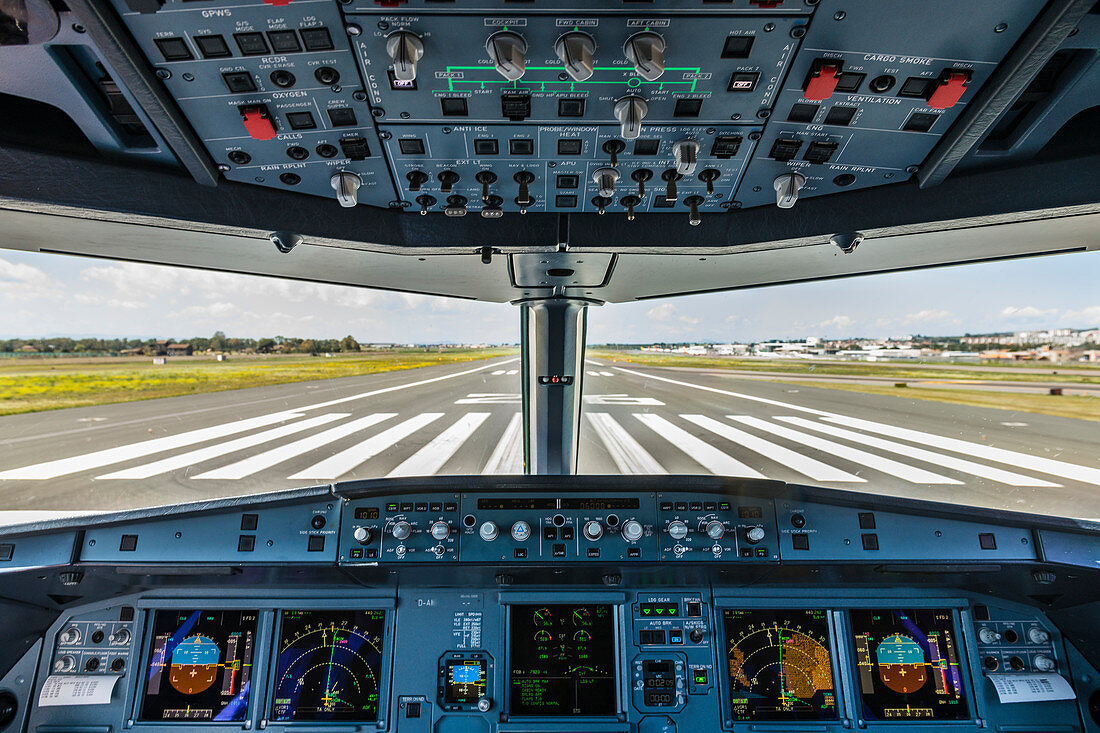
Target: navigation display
329, 666
779, 665
908, 664
563, 660
200, 666
464, 681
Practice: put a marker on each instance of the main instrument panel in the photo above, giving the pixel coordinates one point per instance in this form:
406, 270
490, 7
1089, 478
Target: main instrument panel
456, 108
496, 640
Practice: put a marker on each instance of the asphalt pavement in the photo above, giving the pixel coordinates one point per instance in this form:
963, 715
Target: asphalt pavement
464, 419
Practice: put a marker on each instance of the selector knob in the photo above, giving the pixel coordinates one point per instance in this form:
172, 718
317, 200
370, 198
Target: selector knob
1038, 635
754, 535
121, 636
402, 530
362, 535
632, 530
593, 530
605, 179
439, 550
347, 186
1043, 663
406, 49
441, 530
521, 531
70, 635
488, 531
716, 530
787, 187
686, 153
988, 636
575, 50
646, 50
630, 111
64, 664
484, 704
677, 530
507, 50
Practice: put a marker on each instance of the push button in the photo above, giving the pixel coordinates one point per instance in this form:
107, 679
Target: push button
824, 76
258, 122
950, 89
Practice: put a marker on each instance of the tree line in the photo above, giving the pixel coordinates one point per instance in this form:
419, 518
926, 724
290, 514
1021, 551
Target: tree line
218, 342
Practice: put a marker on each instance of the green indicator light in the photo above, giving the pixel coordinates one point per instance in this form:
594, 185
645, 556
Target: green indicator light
659, 610
672, 611
645, 611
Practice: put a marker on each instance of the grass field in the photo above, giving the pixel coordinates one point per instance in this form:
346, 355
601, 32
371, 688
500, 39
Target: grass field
31, 385
1072, 406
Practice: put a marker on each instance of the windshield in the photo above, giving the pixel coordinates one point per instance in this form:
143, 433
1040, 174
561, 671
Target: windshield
125, 385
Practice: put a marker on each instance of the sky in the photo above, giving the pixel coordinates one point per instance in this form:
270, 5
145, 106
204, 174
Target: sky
44, 295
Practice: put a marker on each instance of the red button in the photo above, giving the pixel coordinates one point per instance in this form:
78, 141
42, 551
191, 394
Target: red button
950, 90
259, 127
822, 85
277, 3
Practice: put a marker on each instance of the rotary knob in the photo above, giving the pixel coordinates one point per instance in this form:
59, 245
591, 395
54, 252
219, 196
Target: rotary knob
484, 704
346, 185
121, 636
646, 50
677, 530
400, 550
575, 50
362, 535
441, 530
630, 111
716, 530
1043, 663
605, 179
488, 531
686, 153
406, 49
754, 535
64, 664
70, 635
402, 530
1038, 635
632, 530
787, 187
988, 636
439, 550
521, 531
593, 530
507, 50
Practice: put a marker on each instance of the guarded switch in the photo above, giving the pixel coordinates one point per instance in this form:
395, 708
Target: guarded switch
406, 49
575, 50
257, 121
950, 89
646, 50
824, 76
507, 50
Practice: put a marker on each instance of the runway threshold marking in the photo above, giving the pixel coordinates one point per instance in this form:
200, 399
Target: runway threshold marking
428, 460
793, 460
275, 456
507, 457
698, 450
627, 453
885, 465
939, 459
349, 459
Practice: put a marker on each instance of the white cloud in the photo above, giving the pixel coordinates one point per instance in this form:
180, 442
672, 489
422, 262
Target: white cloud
1027, 312
663, 312
929, 316
689, 320
1086, 317
20, 281
837, 322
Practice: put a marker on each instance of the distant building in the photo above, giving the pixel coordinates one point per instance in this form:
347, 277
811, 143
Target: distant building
178, 349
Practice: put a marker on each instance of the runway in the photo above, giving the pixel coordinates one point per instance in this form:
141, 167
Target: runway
465, 419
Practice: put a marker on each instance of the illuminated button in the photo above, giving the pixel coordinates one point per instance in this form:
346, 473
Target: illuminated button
441, 530
488, 531
593, 530
950, 90
632, 530
402, 530
823, 80
716, 530
675, 636
521, 531
677, 530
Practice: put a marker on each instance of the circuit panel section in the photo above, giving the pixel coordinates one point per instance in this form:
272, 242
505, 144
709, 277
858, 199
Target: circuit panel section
867, 98
554, 69
273, 93
583, 168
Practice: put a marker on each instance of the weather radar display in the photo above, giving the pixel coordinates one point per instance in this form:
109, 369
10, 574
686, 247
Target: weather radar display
908, 663
329, 666
780, 667
200, 666
563, 660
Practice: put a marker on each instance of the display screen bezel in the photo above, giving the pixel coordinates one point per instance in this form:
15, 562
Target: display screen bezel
616, 605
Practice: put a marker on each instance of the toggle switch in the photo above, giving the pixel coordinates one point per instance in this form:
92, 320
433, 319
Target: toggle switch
425, 201
416, 179
456, 206
709, 176
405, 49
347, 186
575, 50
646, 50
613, 148
508, 49
670, 177
640, 177
601, 203
447, 180
630, 111
485, 178
524, 200
630, 202
693, 203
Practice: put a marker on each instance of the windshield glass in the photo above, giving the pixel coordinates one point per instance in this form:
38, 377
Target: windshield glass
126, 385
